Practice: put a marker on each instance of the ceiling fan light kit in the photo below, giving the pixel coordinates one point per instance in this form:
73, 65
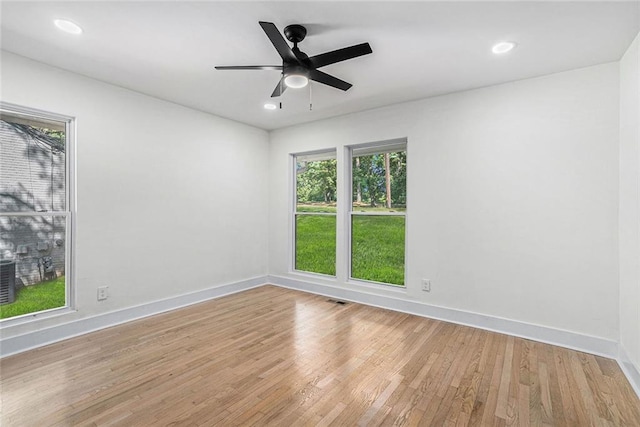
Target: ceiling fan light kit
296, 81
297, 67
295, 76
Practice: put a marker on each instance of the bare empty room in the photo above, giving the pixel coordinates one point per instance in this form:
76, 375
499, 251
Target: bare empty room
221, 213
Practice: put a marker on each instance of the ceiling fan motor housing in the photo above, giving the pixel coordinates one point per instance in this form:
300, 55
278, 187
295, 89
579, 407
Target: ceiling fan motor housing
294, 69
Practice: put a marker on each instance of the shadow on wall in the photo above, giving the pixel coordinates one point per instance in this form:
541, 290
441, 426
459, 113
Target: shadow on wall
32, 179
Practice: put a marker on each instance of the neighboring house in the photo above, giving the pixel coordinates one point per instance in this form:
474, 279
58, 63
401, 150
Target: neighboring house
32, 179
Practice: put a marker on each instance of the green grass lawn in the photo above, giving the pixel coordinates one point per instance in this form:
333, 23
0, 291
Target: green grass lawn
43, 296
316, 243
377, 246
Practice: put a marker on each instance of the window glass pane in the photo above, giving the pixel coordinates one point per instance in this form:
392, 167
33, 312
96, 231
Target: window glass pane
316, 196
316, 244
316, 185
32, 264
32, 165
380, 182
377, 248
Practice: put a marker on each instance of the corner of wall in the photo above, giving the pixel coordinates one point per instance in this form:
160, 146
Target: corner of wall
629, 215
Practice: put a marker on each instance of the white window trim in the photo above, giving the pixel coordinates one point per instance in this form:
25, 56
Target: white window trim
69, 213
371, 146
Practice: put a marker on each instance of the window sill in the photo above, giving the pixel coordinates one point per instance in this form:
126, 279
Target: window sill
377, 286
311, 275
34, 317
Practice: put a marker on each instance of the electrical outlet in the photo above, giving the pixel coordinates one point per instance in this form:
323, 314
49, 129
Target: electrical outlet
103, 293
426, 285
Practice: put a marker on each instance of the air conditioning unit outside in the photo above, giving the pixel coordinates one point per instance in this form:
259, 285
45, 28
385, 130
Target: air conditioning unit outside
7, 281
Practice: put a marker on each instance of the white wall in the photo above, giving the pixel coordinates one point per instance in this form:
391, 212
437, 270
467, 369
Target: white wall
169, 200
630, 204
512, 198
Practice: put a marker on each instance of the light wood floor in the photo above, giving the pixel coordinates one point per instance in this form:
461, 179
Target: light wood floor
272, 356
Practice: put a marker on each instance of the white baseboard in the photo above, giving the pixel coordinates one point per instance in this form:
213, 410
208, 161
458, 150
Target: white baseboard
572, 340
545, 334
39, 338
631, 370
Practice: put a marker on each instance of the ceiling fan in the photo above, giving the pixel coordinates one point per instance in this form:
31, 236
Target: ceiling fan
297, 67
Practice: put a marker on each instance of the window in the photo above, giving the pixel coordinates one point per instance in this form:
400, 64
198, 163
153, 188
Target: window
35, 211
315, 213
377, 214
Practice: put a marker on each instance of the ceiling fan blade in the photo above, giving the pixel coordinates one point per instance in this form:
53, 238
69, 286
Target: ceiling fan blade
278, 41
280, 88
328, 80
340, 55
250, 67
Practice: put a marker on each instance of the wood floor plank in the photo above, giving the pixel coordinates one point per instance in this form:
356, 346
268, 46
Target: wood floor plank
272, 356
494, 375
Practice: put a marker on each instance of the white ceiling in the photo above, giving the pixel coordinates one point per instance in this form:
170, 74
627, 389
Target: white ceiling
420, 49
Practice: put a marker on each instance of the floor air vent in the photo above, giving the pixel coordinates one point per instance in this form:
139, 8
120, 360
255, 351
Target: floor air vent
337, 302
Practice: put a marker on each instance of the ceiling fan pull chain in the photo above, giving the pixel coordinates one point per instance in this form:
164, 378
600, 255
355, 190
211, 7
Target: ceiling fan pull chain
281, 80
310, 99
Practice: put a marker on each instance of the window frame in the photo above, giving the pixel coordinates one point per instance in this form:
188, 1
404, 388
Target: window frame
293, 211
69, 212
349, 149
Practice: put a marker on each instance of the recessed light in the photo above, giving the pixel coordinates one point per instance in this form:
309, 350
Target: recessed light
270, 106
502, 47
68, 26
